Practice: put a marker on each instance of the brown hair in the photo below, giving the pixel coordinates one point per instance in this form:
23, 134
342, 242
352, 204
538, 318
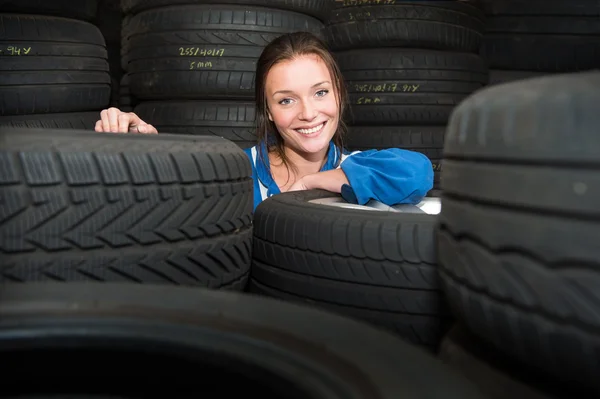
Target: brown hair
286, 48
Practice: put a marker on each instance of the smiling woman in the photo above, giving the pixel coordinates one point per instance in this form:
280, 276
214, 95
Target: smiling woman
300, 103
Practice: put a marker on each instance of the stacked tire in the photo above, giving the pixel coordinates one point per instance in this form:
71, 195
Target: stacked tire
539, 37
378, 266
517, 234
407, 65
271, 349
126, 101
191, 63
54, 70
138, 209
109, 21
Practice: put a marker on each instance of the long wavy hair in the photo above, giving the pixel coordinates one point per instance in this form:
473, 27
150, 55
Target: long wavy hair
286, 48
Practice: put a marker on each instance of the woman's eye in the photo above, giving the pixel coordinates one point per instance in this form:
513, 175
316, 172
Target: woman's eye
322, 93
285, 101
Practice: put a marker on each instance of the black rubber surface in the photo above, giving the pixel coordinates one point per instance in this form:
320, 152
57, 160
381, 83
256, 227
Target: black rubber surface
74, 120
51, 65
80, 9
438, 25
375, 266
517, 238
86, 206
496, 374
203, 51
396, 86
222, 340
232, 120
316, 8
544, 36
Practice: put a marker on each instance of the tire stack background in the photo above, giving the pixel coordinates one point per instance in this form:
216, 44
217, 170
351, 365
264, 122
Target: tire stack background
191, 64
533, 38
109, 19
407, 64
54, 70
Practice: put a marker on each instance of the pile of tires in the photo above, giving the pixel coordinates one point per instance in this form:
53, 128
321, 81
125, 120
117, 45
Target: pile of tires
54, 70
191, 64
517, 235
533, 38
407, 64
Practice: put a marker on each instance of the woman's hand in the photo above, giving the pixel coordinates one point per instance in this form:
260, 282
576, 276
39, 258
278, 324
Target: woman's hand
115, 121
332, 180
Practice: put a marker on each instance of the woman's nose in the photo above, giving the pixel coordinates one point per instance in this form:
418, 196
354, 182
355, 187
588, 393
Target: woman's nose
308, 112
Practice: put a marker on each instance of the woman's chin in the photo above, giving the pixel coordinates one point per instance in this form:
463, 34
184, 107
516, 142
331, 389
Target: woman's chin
314, 147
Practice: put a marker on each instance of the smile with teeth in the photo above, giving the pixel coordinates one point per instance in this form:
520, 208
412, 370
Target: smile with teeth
311, 131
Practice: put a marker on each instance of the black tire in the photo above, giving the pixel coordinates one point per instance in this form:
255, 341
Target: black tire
125, 97
375, 266
114, 92
109, 21
57, 65
496, 375
428, 140
80, 9
389, 86
582, 8
203, 51
436, 25
76, 121
518, 229
317, 8
125, 43
498, 76
226, 341
104, 207
540, 35
232, 120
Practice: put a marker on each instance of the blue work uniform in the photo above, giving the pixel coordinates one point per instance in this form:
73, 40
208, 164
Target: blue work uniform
391, 176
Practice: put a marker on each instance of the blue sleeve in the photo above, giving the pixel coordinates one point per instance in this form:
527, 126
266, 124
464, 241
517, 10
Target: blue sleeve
257, 197
392, 176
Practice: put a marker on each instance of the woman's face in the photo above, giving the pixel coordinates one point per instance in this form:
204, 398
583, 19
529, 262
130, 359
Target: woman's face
302, 103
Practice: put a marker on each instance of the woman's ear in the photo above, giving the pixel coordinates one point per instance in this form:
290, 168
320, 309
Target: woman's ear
270, 117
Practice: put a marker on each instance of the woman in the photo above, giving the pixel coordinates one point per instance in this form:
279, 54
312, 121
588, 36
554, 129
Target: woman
300, 100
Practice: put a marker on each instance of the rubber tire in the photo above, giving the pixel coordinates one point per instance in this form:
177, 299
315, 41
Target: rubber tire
294, 352
203, 51
436, 25
495, 374
375, 266
543, 36
87, 206
126, 99
498, 76
61, 66
396, 86
81, 9
75, 120
124, 50
317, 8
517, 236
232, 120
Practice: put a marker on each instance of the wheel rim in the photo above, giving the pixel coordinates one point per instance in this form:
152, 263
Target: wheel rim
429, 205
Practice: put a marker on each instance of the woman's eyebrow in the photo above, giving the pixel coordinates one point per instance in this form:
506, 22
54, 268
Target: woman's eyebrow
312, 87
